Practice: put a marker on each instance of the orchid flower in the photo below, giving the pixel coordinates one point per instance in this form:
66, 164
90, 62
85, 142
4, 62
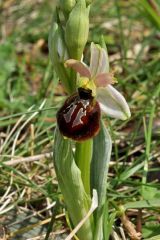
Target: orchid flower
98, 78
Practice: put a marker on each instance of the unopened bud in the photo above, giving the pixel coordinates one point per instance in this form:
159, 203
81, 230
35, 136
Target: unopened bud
67, 5
77, 29
89, 2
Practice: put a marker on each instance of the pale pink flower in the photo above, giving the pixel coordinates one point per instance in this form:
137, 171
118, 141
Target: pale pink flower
111, 101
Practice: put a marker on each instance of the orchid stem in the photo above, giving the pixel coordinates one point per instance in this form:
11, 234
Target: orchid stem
83, 156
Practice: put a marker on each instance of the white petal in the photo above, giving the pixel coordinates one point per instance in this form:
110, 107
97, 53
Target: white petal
99, 60
113, 103
79, 67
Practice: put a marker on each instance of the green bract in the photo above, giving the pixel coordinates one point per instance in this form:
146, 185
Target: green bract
58, 54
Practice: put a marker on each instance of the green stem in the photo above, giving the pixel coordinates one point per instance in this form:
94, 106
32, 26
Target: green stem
72, 81
148, 132
148, 138
121, 28
83, 156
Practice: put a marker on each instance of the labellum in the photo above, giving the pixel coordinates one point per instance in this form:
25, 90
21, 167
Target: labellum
79, 117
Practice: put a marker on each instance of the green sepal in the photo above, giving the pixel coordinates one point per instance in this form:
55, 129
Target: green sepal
71, 185
102, 146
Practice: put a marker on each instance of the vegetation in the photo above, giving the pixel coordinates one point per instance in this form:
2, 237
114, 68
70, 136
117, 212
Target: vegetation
30, 96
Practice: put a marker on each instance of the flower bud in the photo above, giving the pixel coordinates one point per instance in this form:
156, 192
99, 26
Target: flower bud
67, 5
77, 29
89, 2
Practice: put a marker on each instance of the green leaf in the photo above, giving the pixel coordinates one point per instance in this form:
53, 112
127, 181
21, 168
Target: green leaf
154, 203
130, 171
151, 232
108, 222
102, 146
154, 238
71, 185
149, 192
149, 11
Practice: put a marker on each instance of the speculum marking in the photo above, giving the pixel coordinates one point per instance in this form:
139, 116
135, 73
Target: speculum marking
78, 120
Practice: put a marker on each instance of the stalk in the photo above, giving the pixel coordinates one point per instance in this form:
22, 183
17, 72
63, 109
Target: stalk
83, 156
